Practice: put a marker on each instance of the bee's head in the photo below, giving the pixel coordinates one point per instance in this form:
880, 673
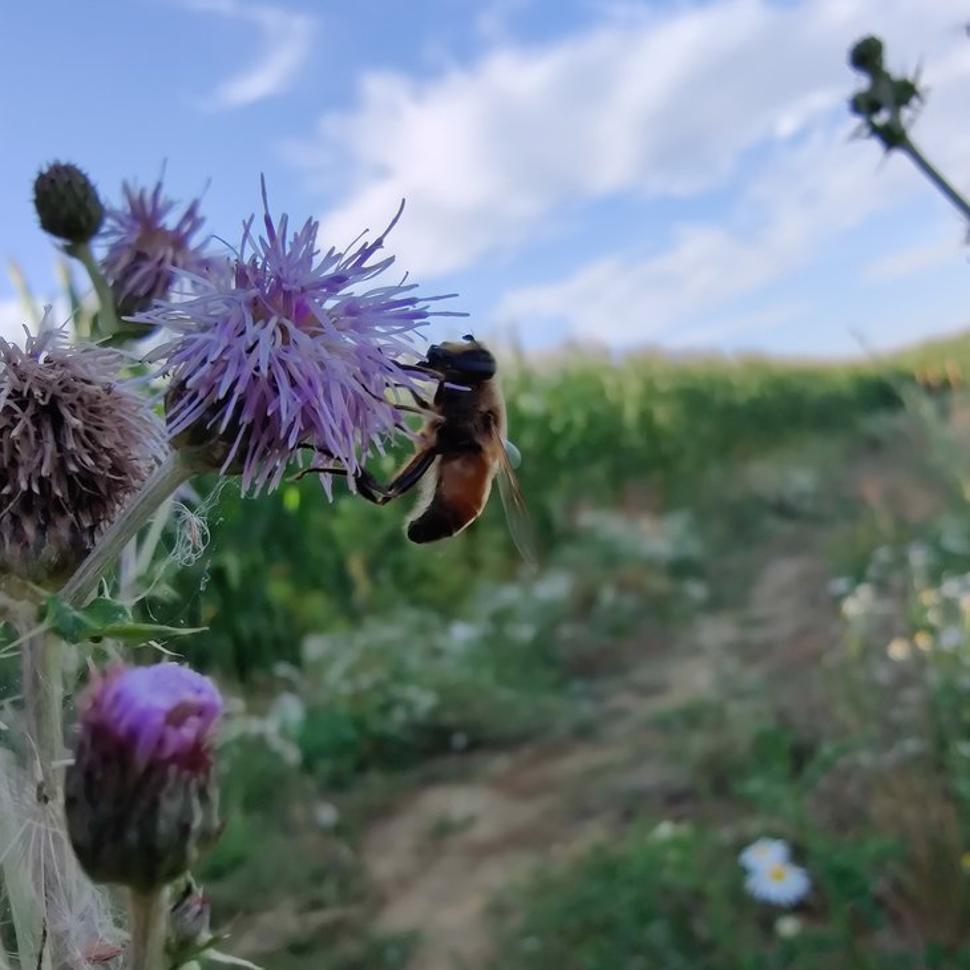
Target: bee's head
465, 362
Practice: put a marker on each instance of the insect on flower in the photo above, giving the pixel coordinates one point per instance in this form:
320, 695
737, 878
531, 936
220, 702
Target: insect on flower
461, 450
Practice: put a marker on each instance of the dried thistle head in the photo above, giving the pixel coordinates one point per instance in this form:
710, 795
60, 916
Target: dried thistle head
75, 442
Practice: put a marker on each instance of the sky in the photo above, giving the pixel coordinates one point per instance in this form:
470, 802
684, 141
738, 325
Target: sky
636, 174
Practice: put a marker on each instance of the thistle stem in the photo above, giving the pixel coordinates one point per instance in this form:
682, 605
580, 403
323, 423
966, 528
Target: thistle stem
146, 950
108, 321
933, 174
162, 483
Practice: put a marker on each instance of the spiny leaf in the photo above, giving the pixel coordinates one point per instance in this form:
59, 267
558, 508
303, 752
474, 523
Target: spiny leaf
102, 618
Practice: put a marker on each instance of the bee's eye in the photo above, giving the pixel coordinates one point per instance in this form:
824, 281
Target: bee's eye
475, 363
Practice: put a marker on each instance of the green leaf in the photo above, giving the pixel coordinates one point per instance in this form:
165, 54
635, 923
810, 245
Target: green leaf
102, 618
133, 632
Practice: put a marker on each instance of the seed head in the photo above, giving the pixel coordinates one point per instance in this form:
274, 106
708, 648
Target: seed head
75, 442
141, 798
67, 203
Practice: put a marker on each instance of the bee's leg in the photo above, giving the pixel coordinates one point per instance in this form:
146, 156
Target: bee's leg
409, 475
368, 487
422, 408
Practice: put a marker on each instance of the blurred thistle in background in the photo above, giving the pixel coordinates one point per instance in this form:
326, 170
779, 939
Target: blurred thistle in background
145, 252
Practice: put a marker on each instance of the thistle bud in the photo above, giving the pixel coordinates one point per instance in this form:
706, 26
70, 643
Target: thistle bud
141, 797
866, 55
67, 203
188, 919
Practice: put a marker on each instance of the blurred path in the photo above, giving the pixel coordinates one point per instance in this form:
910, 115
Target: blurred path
440, 855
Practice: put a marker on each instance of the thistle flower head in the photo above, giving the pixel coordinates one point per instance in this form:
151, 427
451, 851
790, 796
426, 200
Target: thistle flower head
75, 442
286, 349
140, 796
147, 246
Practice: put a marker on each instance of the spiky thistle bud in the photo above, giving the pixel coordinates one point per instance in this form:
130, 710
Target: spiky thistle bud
141, 797
866, 55
189, 920
67, 203
75, 443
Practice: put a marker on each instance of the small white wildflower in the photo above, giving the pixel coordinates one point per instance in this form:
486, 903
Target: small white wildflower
918, 555
923, 640
553, 586
951, 638
899, 649
781, 884
860, 602
522, 632
953, 587
287, 712
839, 586
764, 852
788, 926
666, 830
461, 632
326, 815
696, 590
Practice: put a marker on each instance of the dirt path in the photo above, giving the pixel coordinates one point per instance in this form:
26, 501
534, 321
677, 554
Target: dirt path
440, 857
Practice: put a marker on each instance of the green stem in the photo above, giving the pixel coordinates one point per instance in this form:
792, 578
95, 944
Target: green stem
930, 171
107, 316
146, 950
162, 483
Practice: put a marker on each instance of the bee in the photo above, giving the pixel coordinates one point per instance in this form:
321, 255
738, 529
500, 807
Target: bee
461, 450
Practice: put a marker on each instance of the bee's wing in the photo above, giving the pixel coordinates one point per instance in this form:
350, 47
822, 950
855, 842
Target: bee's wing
516, 513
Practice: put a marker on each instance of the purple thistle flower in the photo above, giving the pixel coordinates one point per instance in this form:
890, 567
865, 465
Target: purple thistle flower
75, 443
286, 349
144, 252
141, 799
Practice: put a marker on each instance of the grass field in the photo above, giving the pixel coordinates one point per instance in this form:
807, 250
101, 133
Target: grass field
750, 620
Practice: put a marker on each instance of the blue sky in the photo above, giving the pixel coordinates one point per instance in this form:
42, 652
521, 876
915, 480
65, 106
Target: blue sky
631, 173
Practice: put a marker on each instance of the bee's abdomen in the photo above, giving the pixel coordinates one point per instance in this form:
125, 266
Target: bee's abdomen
459, 495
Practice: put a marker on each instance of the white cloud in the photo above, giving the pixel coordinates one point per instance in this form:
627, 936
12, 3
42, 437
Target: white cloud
287, 38
649, 104
914, 258
805, 194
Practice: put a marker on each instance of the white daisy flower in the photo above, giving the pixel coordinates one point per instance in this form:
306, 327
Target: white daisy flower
764, 852
781, 884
